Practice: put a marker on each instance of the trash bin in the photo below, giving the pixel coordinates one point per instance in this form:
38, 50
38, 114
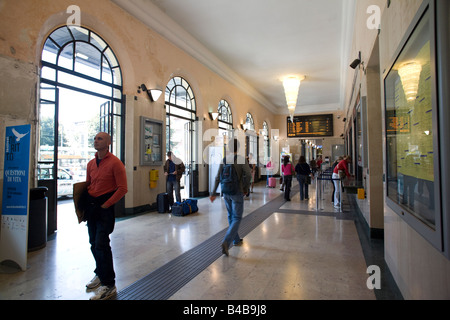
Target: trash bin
37, 219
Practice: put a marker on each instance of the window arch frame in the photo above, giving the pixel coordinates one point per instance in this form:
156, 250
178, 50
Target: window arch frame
225, 119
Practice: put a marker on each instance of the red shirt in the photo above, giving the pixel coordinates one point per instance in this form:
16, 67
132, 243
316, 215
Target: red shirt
342, 165
108, 176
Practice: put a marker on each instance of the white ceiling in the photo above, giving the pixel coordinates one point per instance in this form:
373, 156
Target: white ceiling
254, 43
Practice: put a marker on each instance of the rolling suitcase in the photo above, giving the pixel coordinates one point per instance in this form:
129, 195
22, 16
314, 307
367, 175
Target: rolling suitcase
272, 182
162, 202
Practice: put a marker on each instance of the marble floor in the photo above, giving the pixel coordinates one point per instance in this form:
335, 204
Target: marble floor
296, 253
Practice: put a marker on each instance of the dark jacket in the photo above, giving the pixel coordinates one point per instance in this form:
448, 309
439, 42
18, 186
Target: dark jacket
179, 168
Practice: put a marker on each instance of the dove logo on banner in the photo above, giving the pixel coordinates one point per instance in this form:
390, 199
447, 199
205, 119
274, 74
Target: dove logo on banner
14, 224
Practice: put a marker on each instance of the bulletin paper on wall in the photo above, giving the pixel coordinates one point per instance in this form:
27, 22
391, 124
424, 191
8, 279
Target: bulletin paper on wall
14, 223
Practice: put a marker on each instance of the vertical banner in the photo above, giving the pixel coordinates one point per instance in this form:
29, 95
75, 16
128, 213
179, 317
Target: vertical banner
14, 224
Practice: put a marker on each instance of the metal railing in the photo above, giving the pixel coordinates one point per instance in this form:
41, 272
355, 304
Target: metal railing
321, 182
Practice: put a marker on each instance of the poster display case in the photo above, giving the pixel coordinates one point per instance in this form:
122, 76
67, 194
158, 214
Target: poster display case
413, 132
151, 148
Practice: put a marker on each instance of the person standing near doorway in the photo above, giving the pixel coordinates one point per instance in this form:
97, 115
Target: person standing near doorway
173, 170
106, 185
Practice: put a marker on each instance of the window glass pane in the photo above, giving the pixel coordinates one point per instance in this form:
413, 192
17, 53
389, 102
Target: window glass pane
79, 34
98, 42
48, 73
81, 83
111, 58
117, 76
46, 132
50, 51
65, 59
409, 127
61, 36
87, 60
106, 71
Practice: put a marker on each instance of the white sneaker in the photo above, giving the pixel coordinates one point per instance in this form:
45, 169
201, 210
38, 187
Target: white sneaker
94, 283
104, 293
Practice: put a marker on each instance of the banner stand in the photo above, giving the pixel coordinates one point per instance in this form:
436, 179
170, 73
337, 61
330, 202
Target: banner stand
14, 215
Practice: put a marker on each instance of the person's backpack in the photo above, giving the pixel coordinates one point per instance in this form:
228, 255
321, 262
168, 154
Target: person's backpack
229, 180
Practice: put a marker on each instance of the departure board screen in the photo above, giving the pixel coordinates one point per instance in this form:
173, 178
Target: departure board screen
310, 126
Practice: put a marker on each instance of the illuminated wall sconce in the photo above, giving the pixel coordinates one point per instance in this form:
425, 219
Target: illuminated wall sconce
153, 94
213, 115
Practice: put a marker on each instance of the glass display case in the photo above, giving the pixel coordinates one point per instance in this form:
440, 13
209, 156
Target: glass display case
151, 150
414, 132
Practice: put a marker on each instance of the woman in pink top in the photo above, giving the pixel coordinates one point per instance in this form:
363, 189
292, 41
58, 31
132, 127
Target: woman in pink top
287, 170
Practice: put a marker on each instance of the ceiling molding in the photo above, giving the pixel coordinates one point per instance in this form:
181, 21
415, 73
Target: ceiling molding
348, 25
154, 18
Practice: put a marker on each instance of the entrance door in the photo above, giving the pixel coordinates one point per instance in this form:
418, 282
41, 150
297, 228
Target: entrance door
79, 73
48, 145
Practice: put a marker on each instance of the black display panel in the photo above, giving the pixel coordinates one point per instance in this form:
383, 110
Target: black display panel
310, 126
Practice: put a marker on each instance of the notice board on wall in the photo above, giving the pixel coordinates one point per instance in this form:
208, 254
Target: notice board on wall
310, 126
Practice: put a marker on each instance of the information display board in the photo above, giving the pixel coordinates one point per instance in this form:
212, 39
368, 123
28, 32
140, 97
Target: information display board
310, 126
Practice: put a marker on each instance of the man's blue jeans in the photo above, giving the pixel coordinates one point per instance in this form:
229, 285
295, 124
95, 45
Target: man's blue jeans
172, 185
235, 208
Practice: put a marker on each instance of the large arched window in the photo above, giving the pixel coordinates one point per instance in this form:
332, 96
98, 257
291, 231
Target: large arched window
80, 95
225, 119
249, 123
180, 128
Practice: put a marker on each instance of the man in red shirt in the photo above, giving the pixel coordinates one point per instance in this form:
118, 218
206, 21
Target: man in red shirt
106, 184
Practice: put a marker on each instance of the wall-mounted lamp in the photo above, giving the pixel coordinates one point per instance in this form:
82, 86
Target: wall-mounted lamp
153, 94
213, 115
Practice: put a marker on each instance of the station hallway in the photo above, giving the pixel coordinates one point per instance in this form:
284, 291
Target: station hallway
290, 251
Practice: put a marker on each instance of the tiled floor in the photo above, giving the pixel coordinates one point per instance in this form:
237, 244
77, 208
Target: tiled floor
297, 253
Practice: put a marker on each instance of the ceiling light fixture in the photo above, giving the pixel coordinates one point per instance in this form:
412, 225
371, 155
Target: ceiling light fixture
291, 86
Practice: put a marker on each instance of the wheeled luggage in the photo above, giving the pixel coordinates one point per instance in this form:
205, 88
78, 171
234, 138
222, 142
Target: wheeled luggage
162, 202
272, 182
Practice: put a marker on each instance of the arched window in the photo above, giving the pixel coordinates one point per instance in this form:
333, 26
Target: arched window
249, 123
180, 99
225, 119
77, 51
180, 129
80, 95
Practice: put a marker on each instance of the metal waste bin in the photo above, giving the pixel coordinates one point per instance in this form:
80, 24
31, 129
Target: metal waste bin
37, 220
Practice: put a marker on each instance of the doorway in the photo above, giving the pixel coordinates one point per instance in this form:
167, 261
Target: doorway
80, 95
180, 132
